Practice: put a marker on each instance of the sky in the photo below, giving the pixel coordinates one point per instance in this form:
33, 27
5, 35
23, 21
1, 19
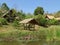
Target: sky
28, 6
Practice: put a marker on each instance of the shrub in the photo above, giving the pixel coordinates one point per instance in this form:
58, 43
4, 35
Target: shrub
52, 22
3, 21
57, 22
44, 22
41, 20
16, 23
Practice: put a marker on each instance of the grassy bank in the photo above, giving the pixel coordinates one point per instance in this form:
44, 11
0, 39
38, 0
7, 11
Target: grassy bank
8, 33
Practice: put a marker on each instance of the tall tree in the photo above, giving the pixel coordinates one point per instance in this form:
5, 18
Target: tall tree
4, 6
39, 10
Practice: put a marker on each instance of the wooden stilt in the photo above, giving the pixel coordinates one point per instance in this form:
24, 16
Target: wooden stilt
26, 26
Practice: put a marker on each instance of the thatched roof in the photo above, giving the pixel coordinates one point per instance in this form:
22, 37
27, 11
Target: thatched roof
57, 18
30, 20
50, 17
26, 20
5, 13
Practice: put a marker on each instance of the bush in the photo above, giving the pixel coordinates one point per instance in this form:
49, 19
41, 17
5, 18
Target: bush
52, 22
57, 22
3, 21
41, 20
44, 22
16, 23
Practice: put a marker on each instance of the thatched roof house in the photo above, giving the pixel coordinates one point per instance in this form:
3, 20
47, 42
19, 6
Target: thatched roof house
28, 23
8, 16
50, 17
7, 13
30, 20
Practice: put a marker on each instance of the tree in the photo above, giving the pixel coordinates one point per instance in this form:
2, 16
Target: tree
41, 19
21, 15
3, 9
39, 10
4, 6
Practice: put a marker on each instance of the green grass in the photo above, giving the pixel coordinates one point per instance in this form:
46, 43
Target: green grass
10, 34
52, 31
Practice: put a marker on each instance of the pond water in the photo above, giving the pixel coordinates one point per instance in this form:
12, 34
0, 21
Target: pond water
29, 43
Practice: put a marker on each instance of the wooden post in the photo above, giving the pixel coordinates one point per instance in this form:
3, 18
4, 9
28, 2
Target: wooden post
34, 26
26, 26
29, 26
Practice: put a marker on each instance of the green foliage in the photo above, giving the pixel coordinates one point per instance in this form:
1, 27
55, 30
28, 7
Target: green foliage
21, 35
42, 35
10, 17
4, 6
44, 22
57, 22
16, 23
52, 22
39, 10
21, 15
13, 12
3, 9
3, 21
41, 20
29, 16
0, 13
